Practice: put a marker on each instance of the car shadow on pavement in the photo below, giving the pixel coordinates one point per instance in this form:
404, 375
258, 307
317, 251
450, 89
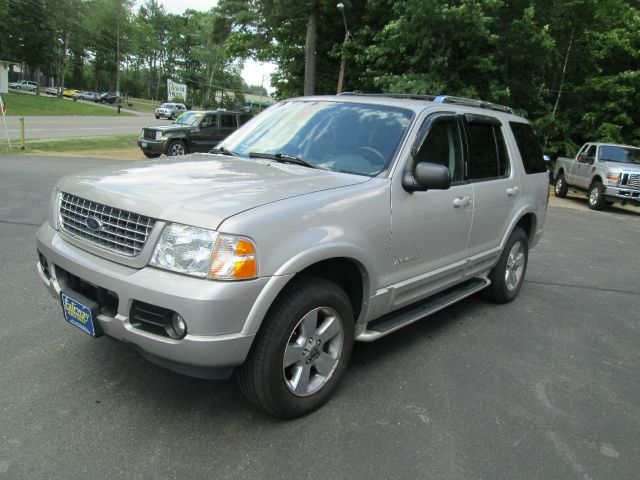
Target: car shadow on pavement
172, 394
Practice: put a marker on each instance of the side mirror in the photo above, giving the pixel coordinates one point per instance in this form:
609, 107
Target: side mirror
427, 176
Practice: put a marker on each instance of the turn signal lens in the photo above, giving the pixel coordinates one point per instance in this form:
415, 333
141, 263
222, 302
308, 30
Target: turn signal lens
234, 258
613, 178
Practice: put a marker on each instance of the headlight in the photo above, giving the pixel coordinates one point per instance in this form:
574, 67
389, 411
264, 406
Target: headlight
54, 209
613, 178
158, 135
205, 253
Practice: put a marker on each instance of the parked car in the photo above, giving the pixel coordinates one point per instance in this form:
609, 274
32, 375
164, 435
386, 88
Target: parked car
51, 90
170, 110
70, 92
607, 173
322, 221
90, 96
191, 132
108, 97
24, 85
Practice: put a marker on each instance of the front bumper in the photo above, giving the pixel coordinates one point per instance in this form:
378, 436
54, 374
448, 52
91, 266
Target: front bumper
622, 194
157, 147
215, 312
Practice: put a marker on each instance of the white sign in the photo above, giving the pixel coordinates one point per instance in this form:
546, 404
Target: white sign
176, 90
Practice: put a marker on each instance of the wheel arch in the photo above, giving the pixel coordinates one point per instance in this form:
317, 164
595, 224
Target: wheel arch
527, 220
596, 178
347, 272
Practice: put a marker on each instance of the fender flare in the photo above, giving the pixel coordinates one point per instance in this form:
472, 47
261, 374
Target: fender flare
300, 262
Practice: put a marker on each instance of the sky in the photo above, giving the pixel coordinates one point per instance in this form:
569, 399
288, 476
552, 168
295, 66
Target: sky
254, 73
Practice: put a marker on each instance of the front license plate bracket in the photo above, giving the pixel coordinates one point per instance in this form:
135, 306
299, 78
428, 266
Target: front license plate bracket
81, 312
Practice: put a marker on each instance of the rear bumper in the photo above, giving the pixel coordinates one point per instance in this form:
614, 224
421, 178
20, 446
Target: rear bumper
215, 312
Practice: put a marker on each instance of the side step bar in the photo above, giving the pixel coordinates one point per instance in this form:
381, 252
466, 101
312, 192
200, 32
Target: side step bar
396, 320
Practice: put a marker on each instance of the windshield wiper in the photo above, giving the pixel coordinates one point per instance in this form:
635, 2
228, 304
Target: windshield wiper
283, 158
224, 151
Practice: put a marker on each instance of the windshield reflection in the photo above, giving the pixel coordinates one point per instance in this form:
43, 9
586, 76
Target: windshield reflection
336, 136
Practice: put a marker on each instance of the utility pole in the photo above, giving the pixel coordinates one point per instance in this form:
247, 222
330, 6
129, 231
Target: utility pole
343, 62
118, 61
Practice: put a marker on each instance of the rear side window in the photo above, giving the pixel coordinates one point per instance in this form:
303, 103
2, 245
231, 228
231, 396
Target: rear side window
529, 148
228, 120
487, 152
244, 119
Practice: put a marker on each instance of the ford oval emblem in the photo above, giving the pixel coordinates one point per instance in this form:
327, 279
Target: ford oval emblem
93, 224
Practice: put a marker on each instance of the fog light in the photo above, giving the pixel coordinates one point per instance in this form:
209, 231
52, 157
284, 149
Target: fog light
178, 325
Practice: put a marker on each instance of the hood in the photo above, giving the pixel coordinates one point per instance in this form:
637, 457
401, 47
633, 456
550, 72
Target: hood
171, 128
619, 167
200, 189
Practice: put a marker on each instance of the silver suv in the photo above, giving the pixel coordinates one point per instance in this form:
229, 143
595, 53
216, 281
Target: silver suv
170, 110
322, 221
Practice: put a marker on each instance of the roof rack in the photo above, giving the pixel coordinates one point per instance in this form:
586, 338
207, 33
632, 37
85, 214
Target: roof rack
469, 102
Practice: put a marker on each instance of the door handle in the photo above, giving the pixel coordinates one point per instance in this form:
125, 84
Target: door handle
461, 202
512, 191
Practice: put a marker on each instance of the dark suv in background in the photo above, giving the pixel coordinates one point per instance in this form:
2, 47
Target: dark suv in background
197, 131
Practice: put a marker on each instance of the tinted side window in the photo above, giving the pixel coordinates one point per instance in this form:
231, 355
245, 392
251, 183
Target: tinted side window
487, 152
529, 148
442, 145
209, 122
227, 120
244, 119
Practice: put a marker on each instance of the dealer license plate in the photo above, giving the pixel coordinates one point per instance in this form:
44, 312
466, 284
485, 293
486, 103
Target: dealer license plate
144, 144
78, 314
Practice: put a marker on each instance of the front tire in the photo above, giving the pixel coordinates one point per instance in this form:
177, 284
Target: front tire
301, 351
508, 275
176, 148
597, 200
561, 187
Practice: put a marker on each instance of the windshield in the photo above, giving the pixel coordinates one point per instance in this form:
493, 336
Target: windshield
336, 136
166, 105
188, 118
609, 153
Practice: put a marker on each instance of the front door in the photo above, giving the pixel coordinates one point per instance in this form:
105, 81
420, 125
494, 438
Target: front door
430, 229
205, 136
584, 167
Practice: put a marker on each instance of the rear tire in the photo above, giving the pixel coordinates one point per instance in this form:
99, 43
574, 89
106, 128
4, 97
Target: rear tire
508, 274
561, 187
596, 198
301, 351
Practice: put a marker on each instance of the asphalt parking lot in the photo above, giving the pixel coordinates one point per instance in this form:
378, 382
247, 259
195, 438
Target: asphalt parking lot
546, 387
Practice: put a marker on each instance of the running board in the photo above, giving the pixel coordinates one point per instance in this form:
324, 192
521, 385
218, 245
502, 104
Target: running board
395, 321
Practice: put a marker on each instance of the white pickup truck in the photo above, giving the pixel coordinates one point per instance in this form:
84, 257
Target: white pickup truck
609, 174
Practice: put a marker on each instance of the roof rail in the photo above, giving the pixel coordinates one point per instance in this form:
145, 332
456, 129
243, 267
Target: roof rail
414, 96
469, 102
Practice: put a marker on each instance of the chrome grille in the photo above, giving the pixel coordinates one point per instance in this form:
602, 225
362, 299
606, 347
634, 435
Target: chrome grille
120, 231
148, 134
634, 181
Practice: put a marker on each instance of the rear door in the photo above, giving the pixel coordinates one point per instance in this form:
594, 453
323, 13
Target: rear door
228, 123
496, 189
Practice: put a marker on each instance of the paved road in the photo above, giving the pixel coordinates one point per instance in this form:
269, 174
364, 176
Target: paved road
77, 126
546, 387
